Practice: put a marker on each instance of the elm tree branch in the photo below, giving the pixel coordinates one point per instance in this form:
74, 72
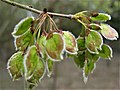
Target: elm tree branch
26, 7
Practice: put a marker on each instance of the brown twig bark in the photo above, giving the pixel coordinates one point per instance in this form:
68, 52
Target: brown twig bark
26, 7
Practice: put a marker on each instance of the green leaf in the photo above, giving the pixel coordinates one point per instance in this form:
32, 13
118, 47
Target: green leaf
22, 26
55, 47
108, 32
82, 17
106, 52
15, 66
49, 65
87, 61
89, 64
34, 65
23, 41
79, 60
70, 42
85, 72
101, 17
81, 43
38, 73
94, 41
94, 26
93, 57
41, 43
88, 68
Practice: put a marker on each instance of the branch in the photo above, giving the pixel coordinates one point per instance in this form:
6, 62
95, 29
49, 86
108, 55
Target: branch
35, 10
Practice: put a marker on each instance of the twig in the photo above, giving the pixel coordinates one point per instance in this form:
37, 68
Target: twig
35, 10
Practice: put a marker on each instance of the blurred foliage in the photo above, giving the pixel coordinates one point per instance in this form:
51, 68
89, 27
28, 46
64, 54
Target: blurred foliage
10, 15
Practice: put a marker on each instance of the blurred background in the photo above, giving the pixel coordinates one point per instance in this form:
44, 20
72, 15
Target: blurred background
66, 75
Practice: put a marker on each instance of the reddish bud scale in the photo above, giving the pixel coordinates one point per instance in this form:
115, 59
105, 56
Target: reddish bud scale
87, 32
49, 35
89, 19
32, 29
95, 14
60, 31
45, 10
89, 26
